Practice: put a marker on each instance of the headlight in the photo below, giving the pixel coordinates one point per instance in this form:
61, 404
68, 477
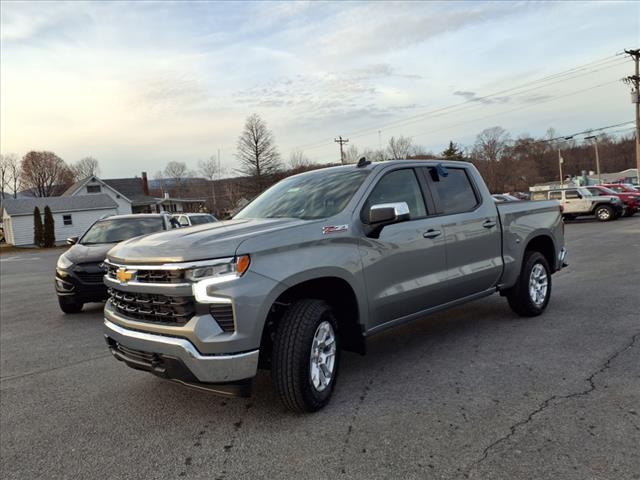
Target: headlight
218, 272
63, 262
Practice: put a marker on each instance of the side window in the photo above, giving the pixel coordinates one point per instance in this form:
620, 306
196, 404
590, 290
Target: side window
572, 194
617, 189
397, 186
184, 222
555, 195
66, 220
455, 190
539, 196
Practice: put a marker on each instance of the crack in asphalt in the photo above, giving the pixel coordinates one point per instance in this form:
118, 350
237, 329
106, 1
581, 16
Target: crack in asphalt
548, 402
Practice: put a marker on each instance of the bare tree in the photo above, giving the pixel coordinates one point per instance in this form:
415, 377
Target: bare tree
297, 159
374, 155
85, 167
45, 174
399, 148
212, 171
492, 144
257, 152
351, 154
4, 167
178, 172
12, 174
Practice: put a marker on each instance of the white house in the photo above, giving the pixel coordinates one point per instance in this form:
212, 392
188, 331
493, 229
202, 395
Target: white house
132, 195
71, 215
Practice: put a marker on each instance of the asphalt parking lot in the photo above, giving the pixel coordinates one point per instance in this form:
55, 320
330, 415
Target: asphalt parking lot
474, 392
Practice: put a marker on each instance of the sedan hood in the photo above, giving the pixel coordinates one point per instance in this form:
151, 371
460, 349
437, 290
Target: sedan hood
211, 240
88, 253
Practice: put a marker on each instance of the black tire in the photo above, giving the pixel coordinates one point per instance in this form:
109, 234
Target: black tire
604, 213
519, 298
570, 216
290, 363
69, 304
629, 213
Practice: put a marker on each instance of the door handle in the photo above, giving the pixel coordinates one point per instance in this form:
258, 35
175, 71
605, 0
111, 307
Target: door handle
489, 224
431, 233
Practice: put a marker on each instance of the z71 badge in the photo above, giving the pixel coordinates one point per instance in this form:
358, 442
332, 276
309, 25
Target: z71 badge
334, 229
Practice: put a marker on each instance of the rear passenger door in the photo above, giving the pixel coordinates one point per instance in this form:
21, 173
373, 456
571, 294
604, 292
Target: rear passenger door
405, 267
472, 231
575, 202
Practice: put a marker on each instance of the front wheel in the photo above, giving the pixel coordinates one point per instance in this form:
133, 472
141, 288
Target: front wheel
530, 296
68, 304
305, 356
604, 213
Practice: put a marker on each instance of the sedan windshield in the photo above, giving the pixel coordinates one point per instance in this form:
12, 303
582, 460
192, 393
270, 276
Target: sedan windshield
310, 196
119, 229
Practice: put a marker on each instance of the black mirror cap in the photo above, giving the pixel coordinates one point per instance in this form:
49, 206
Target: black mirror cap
72, 240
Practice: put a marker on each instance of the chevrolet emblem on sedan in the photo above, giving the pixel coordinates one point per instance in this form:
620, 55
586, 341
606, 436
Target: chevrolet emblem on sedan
123, 275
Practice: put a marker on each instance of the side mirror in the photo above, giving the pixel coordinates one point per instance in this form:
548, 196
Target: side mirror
386, 213
72, 240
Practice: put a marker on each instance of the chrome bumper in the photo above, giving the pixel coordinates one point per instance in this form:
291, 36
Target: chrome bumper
206, 368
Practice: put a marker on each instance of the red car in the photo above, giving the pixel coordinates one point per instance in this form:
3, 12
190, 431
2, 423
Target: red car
630, 198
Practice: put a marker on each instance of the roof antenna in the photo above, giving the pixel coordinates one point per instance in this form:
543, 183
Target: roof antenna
363, 162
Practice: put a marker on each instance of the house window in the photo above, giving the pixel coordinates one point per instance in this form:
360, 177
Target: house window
66, 219
93, 188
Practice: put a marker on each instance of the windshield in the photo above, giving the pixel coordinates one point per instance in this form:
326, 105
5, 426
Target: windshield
606, 190
200, 219
310, 196
118, 229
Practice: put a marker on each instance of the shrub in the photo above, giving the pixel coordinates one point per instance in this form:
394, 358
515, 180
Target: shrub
38, 231
49, 228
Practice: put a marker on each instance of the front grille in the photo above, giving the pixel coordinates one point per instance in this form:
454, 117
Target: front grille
223, 315
165, 309
90, 277
150, 276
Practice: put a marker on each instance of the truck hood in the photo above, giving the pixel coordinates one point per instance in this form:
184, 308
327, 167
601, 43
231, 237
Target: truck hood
202, 242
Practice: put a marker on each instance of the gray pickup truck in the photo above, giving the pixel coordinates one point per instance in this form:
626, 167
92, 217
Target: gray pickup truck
316, 265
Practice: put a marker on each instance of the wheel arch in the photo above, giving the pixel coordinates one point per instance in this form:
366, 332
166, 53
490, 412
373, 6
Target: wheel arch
333, 289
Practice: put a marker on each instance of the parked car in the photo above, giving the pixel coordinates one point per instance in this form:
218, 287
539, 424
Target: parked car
578, 201
504, 197
80, 270
190, 219
623, 187
317, 264
630, 200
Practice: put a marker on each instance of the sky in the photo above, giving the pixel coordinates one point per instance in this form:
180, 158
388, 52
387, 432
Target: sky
137, 85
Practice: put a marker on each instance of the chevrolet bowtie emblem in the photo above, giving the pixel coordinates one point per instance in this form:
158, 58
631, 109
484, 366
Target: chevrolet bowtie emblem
123, 275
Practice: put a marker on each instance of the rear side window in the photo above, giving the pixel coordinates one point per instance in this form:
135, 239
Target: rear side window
397, 186
455, 190
555, 195
572, 194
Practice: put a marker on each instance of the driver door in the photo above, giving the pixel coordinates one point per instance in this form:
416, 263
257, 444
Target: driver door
405, 267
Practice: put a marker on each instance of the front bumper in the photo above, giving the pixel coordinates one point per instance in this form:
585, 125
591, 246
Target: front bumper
68, 283
177, 358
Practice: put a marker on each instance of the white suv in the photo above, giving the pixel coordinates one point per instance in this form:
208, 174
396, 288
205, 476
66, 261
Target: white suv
189, 219
578, 201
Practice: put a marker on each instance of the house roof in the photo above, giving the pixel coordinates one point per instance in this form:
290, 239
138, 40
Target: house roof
25, 206
132, 189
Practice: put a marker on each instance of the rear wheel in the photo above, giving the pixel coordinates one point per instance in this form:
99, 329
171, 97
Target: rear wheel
604, 213
69, 304
530, 296
305, 356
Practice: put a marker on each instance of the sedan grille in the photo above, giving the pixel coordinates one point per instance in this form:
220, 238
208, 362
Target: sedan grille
164, 309
90, 277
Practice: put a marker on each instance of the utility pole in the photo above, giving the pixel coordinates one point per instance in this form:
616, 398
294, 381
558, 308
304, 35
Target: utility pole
634, 80
560, 162
595, 143
341, 141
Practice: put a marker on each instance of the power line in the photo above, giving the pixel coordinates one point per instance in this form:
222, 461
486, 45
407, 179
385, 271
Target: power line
570, 74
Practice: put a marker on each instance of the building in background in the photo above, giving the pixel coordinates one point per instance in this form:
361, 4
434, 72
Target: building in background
132, 195
71, 215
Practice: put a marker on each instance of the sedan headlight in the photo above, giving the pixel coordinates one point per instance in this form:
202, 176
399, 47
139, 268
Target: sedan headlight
63, 262
221, 271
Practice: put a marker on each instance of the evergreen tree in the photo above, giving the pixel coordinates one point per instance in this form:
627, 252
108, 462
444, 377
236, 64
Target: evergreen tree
453, 152
38, 230
49, 228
